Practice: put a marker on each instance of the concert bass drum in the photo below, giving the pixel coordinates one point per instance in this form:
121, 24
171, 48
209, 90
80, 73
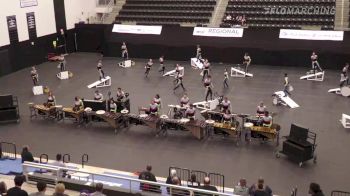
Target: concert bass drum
345, 91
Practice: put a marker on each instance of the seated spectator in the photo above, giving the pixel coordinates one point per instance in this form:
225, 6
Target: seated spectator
98, 190
26, 155
315, 190
59, 161
266, 189
41, 186
241, 188
207, 187
193, 183
149, 176
3, 188
17, 191
260, 191
169, 180
177, 191
59, 190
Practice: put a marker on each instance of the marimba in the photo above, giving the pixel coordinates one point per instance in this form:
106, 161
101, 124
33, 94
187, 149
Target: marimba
113, 119
196, 127
151, 121
269, 133
41, 110
69, 113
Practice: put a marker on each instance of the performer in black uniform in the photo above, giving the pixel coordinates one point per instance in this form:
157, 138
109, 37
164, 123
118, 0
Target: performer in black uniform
35, 76
206, 67
161, 63
179, 82
199, 53
225, 79
286, 85
78, 104
63, 64
208, 85
314, 62
124, 49
51, 100
148, 67
344, 78
246, 62
99, 69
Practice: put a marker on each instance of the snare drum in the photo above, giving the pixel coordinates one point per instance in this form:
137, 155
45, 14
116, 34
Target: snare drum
100, 112
248, 124
143, 115
125, 111
164, 116
210, 122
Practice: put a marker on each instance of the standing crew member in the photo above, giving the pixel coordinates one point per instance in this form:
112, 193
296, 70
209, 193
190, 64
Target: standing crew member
124, 49
314, 62
208, 85
99, 69
161, 63
148, 67
199, 53
286, 85
225, 79
246, 61
35, 76
206, 67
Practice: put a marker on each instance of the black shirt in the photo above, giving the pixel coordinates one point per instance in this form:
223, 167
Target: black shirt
208, 188
15, 191
27, 156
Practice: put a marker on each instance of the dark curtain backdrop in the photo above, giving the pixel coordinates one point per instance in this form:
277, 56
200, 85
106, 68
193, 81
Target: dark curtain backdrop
177, 43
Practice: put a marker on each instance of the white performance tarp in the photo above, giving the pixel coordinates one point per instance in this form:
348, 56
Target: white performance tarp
137, 29
218, 32
311, 35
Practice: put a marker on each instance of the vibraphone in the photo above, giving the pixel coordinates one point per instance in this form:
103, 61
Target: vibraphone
41, 110
151, 121
231, 129
113, 119
270, 133
68, 113
196, 127
214, 115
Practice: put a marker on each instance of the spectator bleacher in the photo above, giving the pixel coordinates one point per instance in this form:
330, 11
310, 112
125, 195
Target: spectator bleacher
284, 13
166, 11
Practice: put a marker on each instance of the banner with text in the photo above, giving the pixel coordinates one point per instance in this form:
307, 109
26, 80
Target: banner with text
28, 3
311, 35
12, 27
31, 25
218, 32
137, 29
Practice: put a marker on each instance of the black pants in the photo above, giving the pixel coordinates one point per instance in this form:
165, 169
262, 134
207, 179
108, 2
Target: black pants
102, 73
342, 83
286, 92
179, 83
162, 68
63, 67
209, 92
225, 83
35, 81
205, 73
147, 71
246, 67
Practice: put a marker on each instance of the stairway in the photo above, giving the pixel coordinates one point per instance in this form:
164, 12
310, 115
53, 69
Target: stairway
218, 13
341, 21
110, 17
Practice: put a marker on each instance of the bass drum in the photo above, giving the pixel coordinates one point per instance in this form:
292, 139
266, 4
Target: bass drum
345, 91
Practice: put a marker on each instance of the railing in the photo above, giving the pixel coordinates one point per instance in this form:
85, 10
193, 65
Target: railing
104, 2
340, 193
84, 159
123, 184
8, 150
182, 173
66, 158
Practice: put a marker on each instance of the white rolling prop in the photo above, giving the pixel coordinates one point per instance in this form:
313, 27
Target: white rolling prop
236, 72
286, 99
63, 75
38, 90
345, 121
125, 64
197, 64
207, 105
334, 90
319, 76
107, 81
172, 72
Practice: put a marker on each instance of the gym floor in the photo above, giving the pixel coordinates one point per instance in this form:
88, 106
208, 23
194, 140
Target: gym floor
131, 150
